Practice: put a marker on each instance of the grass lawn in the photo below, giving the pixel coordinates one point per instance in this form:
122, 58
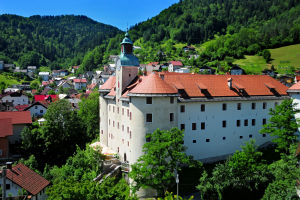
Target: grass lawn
252, 64
9, 80
286, 56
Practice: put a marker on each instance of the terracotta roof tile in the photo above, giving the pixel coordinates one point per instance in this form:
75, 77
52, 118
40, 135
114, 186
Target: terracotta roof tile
153, 84
109, 84
21, 107
296, 86
176, 63
44, 97
6, 128
17, 117
79, 80
27, 179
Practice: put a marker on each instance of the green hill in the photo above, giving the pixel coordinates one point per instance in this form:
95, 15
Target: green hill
284, 60
56, 41
219, 30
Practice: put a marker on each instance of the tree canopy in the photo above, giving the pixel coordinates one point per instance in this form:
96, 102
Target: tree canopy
162, 155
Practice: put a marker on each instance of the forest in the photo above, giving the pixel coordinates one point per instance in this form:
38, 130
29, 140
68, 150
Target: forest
55, 41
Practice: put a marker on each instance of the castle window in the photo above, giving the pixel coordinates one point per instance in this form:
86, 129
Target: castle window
194, 141
238, 123
253, 105
250, 136
224, 123
127, 112
148, 100
182, 108
122, 111
130, 116
109, 107
194, 126
127, 143
264, 121
148, 117
207, 140
127, 129
129, 75
118, 125
224, 138
182, 126
246, 122
253, 122
171, 117
239, 106
224, 106
241, 137
118, 110
130, 134
113, 108
264, 105
113, 123
264, 135
171, 100
202, 125
202, 107
101, 131
122, 127
109, 122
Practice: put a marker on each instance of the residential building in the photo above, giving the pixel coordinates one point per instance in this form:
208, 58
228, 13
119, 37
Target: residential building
206, 70
236, 70
37, 109
17, 98
19, 178
218, 113
31, 69
44, 76
188, 48
79, 84
182, 70
294, 92
45, 98
17, 120
174, 65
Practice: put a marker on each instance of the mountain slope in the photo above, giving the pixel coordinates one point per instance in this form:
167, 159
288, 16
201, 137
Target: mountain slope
50, 40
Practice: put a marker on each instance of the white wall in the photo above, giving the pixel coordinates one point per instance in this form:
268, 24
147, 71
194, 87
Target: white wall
36, 110
21, 100
213, 117
296, 100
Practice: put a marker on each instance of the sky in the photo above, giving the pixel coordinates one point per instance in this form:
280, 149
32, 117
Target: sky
119, 13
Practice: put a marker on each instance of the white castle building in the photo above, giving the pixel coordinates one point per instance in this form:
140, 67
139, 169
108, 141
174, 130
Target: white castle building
218, 113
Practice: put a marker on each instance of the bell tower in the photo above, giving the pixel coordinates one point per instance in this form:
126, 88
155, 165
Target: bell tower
127, 66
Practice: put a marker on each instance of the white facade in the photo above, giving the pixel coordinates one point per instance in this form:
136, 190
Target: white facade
17, 100
15, 191
44, 76
79, 85
182, 70
217, 132
37, 110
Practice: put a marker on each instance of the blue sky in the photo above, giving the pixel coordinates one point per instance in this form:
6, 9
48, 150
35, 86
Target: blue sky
118, 13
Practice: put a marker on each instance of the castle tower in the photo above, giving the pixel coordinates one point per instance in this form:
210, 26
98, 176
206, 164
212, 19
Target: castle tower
127, 66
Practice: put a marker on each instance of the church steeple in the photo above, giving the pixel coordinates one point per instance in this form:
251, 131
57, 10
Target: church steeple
126, 45
127, 58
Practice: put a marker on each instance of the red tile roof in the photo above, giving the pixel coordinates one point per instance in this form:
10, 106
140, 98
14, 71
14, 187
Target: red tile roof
253, 85
110, 83
75, 67
91, 86
17, 117
22, 107
44, 83
6, 127
79, 80
153, 63
176, 63
44, 97
197, 85
153, 84
296, 86
27, 179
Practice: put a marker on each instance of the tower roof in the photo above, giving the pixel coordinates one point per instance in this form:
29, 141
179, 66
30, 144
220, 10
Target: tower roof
127, 39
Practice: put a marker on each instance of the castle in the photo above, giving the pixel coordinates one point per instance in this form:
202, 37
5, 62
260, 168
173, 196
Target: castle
218, 113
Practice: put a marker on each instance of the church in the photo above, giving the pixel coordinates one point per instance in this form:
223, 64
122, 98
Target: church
218, 113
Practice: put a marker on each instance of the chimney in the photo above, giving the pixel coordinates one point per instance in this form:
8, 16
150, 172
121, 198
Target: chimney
229, 82
162, 76
8, 165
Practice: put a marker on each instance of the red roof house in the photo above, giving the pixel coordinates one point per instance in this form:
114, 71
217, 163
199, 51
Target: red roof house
11, 126
45, 97
21, 176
